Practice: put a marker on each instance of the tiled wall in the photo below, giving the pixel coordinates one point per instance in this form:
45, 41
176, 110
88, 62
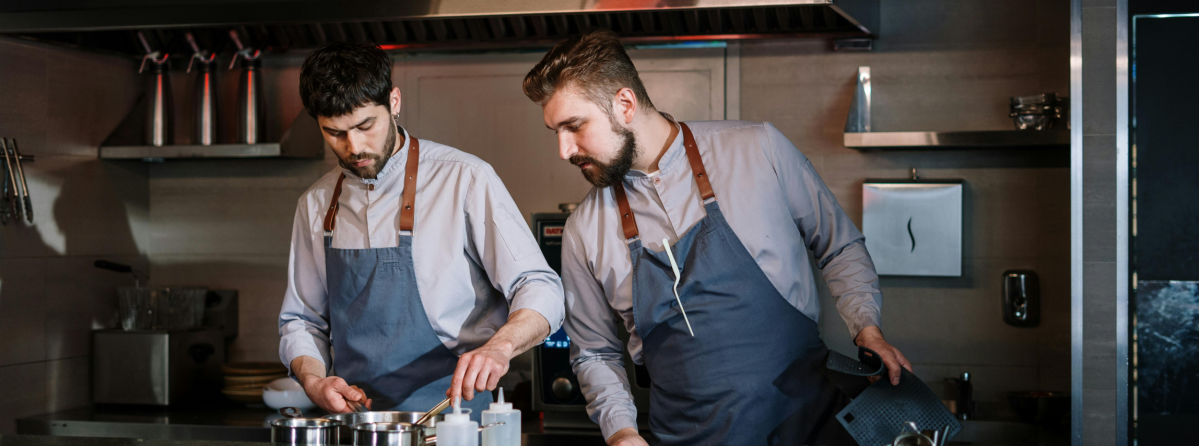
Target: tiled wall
60, 104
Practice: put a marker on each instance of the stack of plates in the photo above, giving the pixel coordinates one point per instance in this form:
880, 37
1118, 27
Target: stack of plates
244, 381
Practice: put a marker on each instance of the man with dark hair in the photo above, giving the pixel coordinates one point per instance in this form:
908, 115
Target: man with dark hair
696, 236
413, 276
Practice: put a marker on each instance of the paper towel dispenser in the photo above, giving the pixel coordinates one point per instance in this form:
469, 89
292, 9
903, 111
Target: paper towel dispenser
913, 227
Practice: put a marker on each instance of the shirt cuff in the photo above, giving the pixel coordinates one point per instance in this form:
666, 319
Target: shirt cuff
613, 423
861, 322
546, 299
289, 351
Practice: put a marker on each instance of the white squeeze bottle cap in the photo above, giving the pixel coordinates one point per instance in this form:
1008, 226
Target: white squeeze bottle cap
458, 416
500, 406
507, 434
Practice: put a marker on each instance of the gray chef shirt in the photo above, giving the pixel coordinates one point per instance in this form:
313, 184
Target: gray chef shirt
774, 201
475, 258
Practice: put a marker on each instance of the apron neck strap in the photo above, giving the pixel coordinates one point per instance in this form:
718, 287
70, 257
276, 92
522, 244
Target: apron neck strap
629, 222
331, 214
408, 203
697, 165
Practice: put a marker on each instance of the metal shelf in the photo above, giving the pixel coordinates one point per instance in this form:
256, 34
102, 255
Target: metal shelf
858, 134
149, 153
301, 140
960, 140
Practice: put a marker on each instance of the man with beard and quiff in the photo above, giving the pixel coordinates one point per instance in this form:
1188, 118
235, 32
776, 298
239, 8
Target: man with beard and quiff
696, 236
410, 260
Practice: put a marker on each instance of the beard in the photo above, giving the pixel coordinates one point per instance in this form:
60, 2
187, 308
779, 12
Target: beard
371, 171
601, 174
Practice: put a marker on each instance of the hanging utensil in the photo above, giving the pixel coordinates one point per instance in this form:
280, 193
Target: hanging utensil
13, 197
24, 185
434, 411
5, 210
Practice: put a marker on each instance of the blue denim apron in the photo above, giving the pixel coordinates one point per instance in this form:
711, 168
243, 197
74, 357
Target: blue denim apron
382, 339
752, 373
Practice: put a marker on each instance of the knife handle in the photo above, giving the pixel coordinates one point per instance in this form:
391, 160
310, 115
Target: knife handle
28, 208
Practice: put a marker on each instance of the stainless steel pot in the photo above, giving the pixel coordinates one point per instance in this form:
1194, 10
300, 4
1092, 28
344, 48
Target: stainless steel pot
354, 419
398, 434
305, 431
389, 434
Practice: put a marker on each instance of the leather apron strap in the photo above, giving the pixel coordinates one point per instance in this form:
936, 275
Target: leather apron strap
408, 204
629, 222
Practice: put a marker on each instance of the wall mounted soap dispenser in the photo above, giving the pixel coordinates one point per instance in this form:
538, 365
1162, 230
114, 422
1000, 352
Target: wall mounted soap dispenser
1021, 298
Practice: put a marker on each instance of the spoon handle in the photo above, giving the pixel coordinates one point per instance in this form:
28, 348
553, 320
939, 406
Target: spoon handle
434, 411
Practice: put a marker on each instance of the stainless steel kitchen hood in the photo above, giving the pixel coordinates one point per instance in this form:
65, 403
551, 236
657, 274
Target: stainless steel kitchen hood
429, 24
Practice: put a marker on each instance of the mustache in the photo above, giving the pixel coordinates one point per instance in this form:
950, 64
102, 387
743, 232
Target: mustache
581, 159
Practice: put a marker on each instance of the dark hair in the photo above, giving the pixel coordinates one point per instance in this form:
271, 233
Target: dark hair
594, 61
340, 77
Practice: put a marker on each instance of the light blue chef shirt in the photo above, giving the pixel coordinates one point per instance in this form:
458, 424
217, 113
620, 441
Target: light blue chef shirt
475, 258
774, 201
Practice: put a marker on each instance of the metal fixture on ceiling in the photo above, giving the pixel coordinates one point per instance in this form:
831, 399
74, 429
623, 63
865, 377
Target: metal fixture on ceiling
434, 24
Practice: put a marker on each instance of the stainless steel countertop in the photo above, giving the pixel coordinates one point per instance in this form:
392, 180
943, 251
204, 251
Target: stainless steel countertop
114, 425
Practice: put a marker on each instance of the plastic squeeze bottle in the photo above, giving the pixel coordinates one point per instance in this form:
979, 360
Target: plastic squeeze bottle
507, 434
458, 429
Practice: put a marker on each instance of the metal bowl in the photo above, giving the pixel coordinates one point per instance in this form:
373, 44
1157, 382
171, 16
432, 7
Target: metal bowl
389, 434
305, 431
353, 419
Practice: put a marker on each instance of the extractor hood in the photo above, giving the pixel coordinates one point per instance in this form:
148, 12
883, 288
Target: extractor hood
109, 25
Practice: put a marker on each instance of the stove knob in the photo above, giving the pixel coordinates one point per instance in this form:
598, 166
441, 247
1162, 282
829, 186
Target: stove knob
563, 389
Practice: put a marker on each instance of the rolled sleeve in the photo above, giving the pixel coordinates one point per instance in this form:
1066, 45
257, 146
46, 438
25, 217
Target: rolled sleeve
852, 280
303, 318
507, 251
595, 349
837, 244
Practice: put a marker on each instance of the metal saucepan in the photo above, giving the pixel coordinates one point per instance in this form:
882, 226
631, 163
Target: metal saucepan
297, 430
389, 434
353, 419
398, 434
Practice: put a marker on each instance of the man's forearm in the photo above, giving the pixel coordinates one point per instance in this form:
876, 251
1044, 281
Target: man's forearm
524, 329
306, 367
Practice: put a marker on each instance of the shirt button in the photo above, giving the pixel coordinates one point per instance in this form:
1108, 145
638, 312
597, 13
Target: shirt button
370, 187
657, 181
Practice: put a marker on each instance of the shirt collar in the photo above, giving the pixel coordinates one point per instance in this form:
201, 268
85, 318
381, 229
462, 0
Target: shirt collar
394, 163
673, 153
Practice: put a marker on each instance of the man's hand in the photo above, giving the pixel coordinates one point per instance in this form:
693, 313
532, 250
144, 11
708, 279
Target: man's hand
330, 393
481, 369
627, 437
872, 338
